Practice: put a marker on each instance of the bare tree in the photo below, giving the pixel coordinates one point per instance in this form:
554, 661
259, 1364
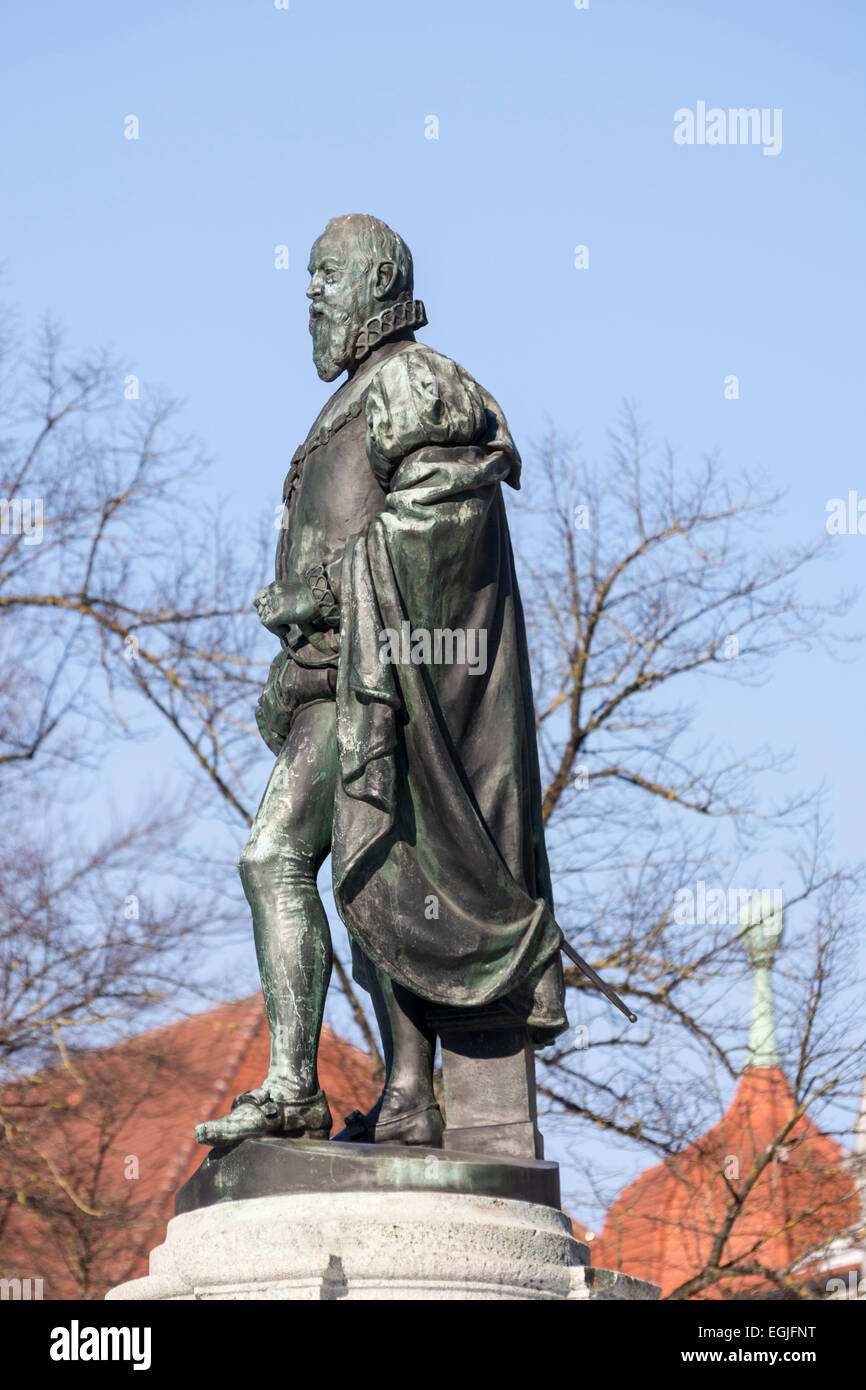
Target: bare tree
133, 603
130, 573
125, 609
642, 581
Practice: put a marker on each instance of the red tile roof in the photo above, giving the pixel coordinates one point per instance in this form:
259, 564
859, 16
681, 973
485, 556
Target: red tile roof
87, 1181
662, 1226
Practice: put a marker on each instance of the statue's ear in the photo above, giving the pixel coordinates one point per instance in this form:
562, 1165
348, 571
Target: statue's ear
385, 272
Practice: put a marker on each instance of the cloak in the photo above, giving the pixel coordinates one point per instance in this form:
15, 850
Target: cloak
439, 865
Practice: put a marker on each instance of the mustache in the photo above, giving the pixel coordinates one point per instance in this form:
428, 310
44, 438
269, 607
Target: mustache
329, 314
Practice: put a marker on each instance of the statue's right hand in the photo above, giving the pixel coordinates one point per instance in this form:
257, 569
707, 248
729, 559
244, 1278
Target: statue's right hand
282, 603
271, 605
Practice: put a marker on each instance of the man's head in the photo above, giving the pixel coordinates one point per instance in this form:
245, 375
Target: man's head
357, 268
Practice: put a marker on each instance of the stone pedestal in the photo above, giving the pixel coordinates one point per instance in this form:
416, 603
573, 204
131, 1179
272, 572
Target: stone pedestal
375, 1222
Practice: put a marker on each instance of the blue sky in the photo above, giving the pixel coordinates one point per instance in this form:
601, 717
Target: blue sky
555, 128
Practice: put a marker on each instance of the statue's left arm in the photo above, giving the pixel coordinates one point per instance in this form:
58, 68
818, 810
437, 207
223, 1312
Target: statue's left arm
420, 398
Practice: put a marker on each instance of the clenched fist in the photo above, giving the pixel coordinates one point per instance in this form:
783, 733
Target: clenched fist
282, 603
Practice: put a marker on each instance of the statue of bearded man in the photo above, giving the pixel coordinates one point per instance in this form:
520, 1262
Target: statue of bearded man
400, 712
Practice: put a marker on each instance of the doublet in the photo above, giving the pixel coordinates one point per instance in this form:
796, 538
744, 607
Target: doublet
405, 396
330, 492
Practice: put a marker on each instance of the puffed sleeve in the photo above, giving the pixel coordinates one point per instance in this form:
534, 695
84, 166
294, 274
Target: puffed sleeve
418, 398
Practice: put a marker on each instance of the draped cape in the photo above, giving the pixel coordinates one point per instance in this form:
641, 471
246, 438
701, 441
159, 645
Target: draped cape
439, 865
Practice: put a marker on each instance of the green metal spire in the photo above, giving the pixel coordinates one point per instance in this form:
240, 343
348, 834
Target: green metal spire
762, 922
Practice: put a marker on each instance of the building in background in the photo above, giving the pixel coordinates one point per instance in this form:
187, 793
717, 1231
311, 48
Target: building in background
96, 1150
783, 1195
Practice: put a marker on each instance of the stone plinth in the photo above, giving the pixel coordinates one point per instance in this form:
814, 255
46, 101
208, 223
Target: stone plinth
488, 1076
377, 1222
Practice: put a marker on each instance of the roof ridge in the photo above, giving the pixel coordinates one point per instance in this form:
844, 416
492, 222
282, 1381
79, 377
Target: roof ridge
179, 1022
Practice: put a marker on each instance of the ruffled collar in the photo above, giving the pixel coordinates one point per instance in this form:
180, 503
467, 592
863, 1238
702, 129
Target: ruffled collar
397, 318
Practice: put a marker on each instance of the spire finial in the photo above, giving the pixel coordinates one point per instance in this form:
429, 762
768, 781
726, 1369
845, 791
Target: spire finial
762, 921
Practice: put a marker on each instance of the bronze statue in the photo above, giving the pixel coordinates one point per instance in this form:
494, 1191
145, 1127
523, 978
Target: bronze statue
400, 711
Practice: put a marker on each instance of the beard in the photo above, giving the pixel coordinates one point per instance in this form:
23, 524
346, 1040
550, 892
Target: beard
334, 333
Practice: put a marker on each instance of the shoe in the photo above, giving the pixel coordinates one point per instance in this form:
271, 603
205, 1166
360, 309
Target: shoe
421, 1127
251, 1117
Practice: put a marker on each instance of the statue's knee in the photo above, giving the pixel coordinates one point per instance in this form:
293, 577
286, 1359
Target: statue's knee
257, 864
264, 864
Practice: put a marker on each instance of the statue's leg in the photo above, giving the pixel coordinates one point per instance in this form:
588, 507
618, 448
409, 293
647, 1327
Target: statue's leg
406, 1112
409, 1074
288, 843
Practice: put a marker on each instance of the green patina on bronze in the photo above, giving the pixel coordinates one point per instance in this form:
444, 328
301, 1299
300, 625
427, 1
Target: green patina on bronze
419, 773
267, 1167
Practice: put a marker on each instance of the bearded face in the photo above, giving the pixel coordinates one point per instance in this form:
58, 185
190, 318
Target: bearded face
341, 301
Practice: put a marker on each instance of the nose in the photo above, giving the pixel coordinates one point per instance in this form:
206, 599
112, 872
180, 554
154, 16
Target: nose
314, 289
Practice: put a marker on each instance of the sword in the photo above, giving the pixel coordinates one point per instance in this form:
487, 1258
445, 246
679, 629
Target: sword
596, 979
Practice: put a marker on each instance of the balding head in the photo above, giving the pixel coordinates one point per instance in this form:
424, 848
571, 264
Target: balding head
377, 244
